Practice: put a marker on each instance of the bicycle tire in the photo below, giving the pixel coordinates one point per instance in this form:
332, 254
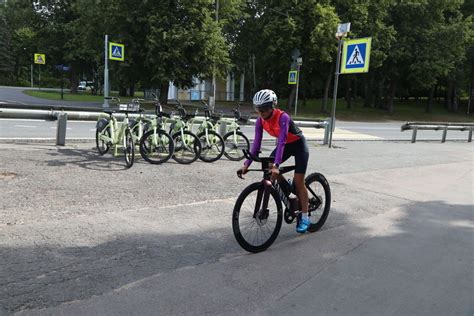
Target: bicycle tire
319, 198
237, 228
182, 147
164, 149
102, 146
233, 151
128, 148
207, 153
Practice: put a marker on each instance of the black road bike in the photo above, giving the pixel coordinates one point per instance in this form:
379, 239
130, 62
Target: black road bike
258, 211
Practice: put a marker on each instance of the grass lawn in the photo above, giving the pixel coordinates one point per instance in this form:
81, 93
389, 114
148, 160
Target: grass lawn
81, 96
410, 110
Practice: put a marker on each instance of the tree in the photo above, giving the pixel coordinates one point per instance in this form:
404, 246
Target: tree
6, 66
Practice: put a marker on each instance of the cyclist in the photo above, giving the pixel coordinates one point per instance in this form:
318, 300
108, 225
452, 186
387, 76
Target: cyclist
291, 142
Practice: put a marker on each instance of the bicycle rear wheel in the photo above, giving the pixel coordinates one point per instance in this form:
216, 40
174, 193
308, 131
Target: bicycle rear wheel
128, 148
319, 194
187, 148
234, 147
212, 146
156, 147
255, 228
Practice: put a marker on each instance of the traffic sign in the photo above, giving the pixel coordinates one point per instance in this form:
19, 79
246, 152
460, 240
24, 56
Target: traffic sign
40, 59
116, 51
292, 76
356, 56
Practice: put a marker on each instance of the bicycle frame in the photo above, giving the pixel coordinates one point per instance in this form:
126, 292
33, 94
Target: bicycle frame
268, 184
117, 131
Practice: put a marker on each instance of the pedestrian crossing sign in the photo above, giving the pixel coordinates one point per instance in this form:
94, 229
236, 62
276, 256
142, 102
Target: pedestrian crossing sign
116, 51
356, 56
292, 76
40, 59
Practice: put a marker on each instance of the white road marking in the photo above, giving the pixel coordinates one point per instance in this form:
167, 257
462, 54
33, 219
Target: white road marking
25, 126
23, 120
54, 127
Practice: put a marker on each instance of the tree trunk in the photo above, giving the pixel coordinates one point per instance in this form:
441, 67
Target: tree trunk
391, 96
369, 93
74, 82
455, 99
448, 101
378, 94
429, 105
324, 107
471, 95
292, 97
131, 90
348, 96
164, 87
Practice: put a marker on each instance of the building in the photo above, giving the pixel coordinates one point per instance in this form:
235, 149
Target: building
202, 89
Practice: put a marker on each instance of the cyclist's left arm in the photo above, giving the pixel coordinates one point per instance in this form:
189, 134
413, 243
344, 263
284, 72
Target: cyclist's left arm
284, 126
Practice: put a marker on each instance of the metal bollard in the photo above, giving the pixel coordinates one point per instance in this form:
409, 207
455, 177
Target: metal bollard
61, 129
413, 137
445, 131
327, 130
469, 137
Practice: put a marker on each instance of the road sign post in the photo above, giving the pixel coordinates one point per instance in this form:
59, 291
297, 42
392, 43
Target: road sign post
112, 51
299, 61
39, 59
106, 73
342, 30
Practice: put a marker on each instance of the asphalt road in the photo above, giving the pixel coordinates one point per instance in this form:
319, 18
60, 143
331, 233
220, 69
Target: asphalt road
37, 129
80, 235
16, 95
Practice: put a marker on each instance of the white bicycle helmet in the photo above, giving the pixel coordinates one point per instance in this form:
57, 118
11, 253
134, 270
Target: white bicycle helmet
265, 98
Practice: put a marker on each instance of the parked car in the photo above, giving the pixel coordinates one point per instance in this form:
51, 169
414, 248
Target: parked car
85, 85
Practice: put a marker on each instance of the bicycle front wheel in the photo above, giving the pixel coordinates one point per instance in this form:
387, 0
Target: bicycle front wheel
156, 147
235, 145
255, 227
212, 146
187, 147
128, 148
319, 194
101, 144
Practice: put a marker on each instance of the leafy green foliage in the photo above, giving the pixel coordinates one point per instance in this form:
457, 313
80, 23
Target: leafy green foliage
416, 45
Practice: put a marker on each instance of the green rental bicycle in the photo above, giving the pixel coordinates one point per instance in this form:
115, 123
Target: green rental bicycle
110, 133
187, 147
234, 140
138, 125
156, 145
212, 144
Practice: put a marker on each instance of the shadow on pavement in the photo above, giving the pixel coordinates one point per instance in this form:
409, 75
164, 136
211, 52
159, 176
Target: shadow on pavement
47, 275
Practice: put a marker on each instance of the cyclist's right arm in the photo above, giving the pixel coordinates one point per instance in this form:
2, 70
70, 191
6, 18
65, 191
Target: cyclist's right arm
257, 141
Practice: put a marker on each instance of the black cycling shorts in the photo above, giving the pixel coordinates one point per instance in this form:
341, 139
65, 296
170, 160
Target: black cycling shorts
298, 149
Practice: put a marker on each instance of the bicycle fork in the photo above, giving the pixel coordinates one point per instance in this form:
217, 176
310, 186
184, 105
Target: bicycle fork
261, 210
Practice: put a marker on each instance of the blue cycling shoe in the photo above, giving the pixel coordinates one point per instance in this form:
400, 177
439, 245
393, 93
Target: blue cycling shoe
303, 225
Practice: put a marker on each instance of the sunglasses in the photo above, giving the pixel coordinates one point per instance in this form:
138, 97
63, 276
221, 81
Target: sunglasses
258, 110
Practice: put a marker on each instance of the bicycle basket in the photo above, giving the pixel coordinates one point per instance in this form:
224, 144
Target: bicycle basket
101, 124
129, 107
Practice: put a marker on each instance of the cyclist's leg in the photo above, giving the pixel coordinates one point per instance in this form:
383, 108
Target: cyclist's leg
301, 162
287, 153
